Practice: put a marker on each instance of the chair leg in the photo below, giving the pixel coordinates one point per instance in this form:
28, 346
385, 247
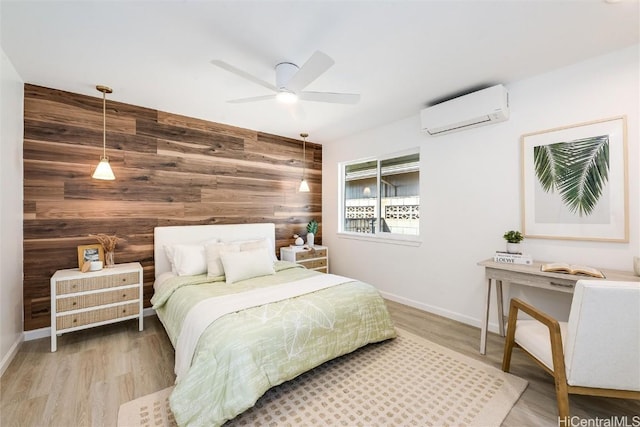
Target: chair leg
510, 338
562, 396
559, 374
506, 357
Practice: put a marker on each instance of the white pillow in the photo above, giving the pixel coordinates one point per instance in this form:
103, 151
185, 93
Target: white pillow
180, 254
246, 265
168, 250
252, 244
189, 260
214, 263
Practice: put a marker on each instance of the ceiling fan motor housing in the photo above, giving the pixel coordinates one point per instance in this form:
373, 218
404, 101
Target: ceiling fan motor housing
284, 72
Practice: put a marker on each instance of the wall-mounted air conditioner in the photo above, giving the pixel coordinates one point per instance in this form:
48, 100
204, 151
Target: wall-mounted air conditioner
484, 107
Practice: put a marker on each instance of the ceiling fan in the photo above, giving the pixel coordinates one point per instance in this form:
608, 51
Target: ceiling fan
291, 80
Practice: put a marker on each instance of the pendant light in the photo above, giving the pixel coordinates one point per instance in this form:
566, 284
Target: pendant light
103, 170
304, 186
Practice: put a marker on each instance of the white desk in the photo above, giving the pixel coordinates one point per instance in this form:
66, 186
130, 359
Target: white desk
530, 275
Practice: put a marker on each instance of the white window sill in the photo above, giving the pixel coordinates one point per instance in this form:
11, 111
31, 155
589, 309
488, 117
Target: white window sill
394, 239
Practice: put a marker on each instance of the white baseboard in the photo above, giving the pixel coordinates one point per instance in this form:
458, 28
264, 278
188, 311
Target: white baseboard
8, 358
36, 334
462, 318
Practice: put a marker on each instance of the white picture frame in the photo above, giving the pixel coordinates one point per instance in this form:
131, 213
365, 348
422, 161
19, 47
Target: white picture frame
574, 182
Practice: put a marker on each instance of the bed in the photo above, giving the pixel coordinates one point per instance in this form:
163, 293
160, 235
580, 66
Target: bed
258, 324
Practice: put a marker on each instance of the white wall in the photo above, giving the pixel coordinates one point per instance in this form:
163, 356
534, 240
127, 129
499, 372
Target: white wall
11, 183
470, 193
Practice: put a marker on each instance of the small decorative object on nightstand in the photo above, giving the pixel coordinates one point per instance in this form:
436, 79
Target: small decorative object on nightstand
315, 258
312, 229
84, 300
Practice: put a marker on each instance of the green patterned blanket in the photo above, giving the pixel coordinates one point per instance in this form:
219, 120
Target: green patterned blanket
243, 354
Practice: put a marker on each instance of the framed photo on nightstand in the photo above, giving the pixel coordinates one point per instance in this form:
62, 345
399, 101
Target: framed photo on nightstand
90, 253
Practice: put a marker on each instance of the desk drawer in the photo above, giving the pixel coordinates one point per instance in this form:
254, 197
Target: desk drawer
96, 316
97, 299
95, 283
554, 282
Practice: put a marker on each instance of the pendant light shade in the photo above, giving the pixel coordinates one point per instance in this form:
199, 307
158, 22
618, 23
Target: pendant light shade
304, 186
103, 170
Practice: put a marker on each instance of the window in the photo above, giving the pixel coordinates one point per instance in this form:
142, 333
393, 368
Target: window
381, 196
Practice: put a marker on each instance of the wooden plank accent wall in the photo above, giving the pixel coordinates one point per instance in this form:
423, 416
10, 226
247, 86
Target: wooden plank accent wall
170, 170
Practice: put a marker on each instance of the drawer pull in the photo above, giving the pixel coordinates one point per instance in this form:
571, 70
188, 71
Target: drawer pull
74, 303
75, 320
562, 285
124, 311
124, 295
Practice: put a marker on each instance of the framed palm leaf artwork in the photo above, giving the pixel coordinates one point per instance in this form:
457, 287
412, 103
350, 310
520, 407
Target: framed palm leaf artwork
574, 182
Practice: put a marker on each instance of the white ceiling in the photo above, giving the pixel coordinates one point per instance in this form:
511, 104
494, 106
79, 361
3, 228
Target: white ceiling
399, 55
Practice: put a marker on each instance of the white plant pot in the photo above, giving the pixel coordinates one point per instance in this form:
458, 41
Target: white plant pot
514, 248
310, 239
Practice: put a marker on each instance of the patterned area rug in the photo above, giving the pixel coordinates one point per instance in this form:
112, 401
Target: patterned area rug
408, 381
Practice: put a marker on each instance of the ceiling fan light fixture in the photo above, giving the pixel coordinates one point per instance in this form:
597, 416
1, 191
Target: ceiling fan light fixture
286, 97
291, 82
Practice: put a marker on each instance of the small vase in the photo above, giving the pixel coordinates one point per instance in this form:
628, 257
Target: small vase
109, 259
299, 241
310, 239
514, 248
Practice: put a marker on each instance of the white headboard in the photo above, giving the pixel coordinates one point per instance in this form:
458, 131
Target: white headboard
201, 233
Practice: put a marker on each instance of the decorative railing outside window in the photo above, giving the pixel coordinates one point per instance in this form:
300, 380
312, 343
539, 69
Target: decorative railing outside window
382, 189
401, 215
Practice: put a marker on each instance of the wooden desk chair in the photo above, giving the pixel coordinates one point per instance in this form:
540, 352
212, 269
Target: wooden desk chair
597, 352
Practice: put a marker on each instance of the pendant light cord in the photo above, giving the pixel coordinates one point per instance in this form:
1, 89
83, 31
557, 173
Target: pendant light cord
104, 125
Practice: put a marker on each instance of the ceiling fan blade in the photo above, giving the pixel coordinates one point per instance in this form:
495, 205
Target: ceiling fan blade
336, 98
243, 74
311, 70
252, 99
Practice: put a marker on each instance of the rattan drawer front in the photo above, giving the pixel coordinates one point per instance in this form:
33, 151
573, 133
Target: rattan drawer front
93, 300
314, 263
95, 316
94, 283
302, 255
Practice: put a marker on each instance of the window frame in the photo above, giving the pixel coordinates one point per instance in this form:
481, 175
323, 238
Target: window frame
379, 235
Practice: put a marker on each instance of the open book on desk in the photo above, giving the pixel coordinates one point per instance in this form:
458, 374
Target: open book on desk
561, 267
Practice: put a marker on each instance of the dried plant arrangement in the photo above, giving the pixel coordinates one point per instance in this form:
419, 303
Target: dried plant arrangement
108, 242
109, 245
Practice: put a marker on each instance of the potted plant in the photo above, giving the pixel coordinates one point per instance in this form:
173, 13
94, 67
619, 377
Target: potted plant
312, 229
513, 239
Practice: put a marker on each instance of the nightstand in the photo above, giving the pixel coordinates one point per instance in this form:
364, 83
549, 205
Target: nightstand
315, 258
84, 300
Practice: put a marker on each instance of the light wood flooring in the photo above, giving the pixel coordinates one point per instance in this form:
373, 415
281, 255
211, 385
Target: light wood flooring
96, 370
